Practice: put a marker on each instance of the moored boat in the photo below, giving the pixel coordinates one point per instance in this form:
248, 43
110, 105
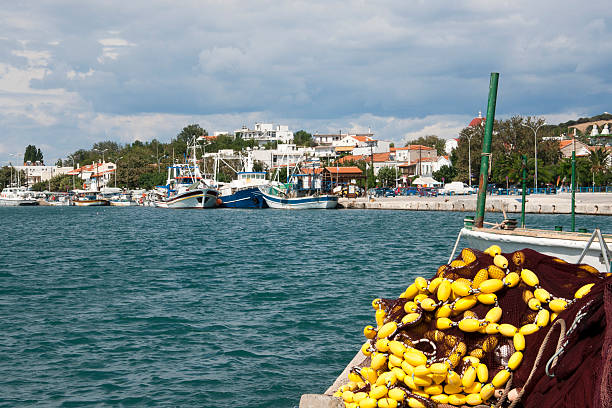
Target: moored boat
90, 199
285, 196
16, 196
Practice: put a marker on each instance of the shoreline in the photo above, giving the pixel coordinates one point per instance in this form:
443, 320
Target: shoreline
586, 203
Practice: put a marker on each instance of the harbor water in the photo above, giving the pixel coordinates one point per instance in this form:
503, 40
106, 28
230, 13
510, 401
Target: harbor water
140, 306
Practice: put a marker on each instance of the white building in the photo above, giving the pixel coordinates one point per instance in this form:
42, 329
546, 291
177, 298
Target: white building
450, 145
266, 132
38, 172
283, 155
95, 176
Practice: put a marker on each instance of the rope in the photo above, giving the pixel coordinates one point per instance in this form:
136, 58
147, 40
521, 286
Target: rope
561, 323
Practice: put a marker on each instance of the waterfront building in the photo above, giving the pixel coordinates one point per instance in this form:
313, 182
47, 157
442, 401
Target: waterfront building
567, 146
411, 153
450, 145
265, 133
284, 154
96, 175
37, 172
342, 139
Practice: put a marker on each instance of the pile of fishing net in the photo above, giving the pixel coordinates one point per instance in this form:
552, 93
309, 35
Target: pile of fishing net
486, 326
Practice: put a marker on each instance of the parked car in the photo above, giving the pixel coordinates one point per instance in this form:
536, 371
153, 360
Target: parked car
457, 187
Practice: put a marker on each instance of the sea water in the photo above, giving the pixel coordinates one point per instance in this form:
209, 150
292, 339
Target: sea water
140, 306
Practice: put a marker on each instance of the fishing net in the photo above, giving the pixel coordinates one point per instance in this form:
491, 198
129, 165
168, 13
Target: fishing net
482, 323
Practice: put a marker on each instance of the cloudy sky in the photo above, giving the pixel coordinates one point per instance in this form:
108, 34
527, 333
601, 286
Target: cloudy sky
76, 72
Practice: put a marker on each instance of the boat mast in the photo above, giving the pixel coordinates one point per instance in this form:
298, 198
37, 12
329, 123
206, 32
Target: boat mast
486, 151
574, 186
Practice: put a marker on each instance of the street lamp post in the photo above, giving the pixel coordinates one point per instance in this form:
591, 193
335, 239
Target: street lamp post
469, 138
535, 129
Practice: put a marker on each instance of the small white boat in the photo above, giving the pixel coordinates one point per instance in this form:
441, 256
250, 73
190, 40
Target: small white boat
284, 196
16, 196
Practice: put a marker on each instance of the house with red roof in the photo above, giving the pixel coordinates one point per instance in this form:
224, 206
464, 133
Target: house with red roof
96, 175
567, 147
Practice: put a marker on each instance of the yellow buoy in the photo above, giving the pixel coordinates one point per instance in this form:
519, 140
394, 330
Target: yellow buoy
507, 330
529, 329
456, 399
421, 283
460, 289
387, 329
434, 285
519, 342
493, 250
542, 295
443, 311
378, 391
469, 325
369, 332
529, 278
482, 372
415, 357
534, 304
439, 368
397, 394
397, 348
421, 370
542, 318
487, 391
411, 307
473, 399
399, 373
382, 345
500, 378
493, 315
474, 388
395, 361
440, 398
452, 389
444, 290
492, 328
411, 291
444, 323
354, 377
378, 361
359, 396
515, 360
464, 303
428, 304
422, 381
583, 291
368, 402
469, 376
347, 396
365, 349
491, 285
512, 279
434, 389
481, 276
487, 298
557, 305
380, 317
410, 318
500, 261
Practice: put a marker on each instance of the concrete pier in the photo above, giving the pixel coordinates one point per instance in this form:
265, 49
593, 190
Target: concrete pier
586, 203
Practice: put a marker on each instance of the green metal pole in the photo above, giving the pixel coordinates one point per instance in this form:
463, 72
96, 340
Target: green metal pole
524, 191
574, 191
486, 151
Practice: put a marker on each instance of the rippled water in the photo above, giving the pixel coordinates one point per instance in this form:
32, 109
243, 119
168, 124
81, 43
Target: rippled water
142, 306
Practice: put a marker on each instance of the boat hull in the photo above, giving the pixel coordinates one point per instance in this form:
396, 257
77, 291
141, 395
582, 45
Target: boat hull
325, 201
245, 198
123, 203
561, 247
200, 198
17, 203
90, 203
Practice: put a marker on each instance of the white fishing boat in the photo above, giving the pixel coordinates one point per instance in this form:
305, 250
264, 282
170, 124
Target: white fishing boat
16, 196
243, 190
286, 196
572, 247
185, 186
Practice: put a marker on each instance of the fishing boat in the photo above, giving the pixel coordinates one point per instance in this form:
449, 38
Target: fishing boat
16, 196
185, 187
286, 196
89, 199
243, 190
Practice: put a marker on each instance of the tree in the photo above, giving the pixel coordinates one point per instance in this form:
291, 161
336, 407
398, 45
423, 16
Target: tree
189, 132
387, 176
32, 154
431, 141
303, 138
446, 173
599, 165
59, 163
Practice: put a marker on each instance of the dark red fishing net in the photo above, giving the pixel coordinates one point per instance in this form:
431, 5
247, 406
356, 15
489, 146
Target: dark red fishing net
583, 370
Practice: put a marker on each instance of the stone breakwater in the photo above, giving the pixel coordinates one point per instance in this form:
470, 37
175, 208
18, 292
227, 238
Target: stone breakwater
586, 203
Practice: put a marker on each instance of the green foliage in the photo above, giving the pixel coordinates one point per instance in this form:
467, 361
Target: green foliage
151, 179
387, 175
59, 163
32, 154
446, 173
189, 132
229, 142
303, 138
430, 141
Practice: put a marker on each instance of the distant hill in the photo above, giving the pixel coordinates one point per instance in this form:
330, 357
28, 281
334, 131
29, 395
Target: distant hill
603, 116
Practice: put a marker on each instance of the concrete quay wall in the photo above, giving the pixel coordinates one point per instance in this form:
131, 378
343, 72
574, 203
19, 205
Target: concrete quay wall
591, 204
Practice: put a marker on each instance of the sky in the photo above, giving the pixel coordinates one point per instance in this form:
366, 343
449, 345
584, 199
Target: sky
73, 73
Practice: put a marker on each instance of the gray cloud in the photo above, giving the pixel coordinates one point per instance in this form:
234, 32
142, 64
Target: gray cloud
308, 63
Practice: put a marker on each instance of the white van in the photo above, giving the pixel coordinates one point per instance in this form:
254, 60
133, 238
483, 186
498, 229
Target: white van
457, 187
